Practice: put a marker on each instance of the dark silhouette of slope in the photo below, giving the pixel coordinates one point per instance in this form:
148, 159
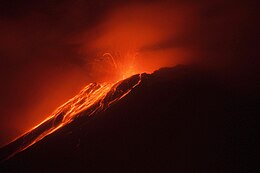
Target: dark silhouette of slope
178, 119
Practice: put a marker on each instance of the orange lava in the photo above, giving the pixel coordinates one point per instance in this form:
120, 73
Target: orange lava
90, 100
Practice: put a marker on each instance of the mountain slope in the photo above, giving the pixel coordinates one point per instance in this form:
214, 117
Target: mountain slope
178, 119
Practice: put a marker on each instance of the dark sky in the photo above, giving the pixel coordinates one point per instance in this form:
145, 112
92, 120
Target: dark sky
50, 49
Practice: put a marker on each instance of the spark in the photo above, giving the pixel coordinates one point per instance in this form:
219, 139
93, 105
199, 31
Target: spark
122, 63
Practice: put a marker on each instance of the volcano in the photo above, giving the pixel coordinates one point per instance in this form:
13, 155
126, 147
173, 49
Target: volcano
180, 119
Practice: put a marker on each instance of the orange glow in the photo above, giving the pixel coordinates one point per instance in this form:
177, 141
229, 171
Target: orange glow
129, 40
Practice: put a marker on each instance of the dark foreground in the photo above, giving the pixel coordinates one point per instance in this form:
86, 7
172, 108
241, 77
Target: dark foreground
177, 120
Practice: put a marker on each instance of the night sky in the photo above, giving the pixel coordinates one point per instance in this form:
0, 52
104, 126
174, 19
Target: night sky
50, 49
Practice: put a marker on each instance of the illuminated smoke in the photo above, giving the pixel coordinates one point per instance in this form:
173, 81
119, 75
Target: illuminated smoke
142, 37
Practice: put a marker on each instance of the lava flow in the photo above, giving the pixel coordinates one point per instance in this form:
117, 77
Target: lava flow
91, 99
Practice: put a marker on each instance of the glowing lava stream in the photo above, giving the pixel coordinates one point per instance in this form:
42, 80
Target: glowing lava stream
91, 99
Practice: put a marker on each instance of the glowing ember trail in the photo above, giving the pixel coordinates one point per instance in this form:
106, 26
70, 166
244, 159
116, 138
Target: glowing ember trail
91, 99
